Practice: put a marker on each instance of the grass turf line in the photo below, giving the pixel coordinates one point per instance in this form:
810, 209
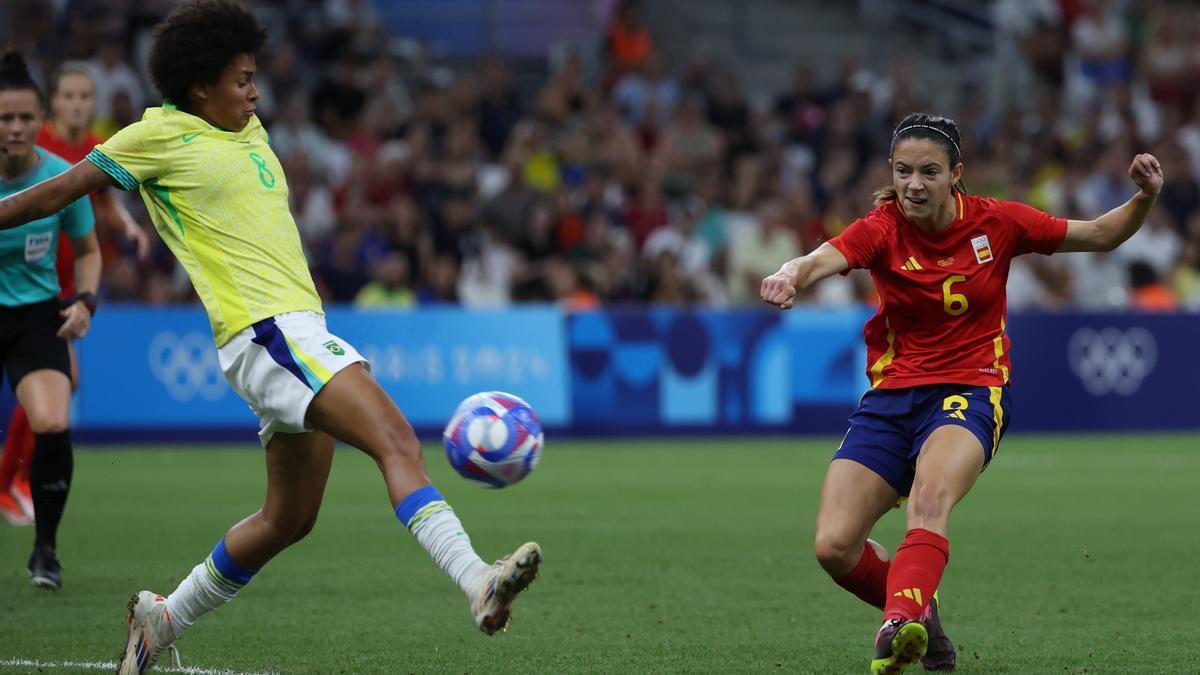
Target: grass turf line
1071, 553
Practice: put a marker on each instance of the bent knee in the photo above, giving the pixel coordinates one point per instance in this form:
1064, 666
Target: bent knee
304, 529
287, 531
930, 502
49, 423
837, 554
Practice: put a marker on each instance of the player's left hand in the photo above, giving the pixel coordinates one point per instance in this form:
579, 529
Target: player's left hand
135, 233
1147, 174
76, 321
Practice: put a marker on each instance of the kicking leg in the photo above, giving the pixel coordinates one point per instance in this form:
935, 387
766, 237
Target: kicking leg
948, 465
352, 407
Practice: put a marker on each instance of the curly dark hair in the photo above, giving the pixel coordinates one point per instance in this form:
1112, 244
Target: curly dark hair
197, 41
14, 74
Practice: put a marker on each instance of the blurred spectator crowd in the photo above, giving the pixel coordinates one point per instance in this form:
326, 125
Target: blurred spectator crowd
618, 178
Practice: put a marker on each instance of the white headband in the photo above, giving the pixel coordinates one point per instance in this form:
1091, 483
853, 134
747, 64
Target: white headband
924, 126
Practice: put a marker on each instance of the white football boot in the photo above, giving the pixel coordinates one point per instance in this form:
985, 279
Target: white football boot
506, 578
150, 633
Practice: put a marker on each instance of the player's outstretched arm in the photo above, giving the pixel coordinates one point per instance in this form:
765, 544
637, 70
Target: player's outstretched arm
52, 195
780, 288
1113, 228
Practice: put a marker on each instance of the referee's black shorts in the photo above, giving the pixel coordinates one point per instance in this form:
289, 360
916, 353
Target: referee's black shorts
29, 340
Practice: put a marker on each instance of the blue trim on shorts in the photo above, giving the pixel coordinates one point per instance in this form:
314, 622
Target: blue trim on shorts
890, 426
268, 336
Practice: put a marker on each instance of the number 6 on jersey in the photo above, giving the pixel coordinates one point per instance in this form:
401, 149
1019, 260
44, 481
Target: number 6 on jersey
954, 303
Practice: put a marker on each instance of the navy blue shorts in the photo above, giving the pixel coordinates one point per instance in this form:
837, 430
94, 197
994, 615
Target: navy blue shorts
890, 425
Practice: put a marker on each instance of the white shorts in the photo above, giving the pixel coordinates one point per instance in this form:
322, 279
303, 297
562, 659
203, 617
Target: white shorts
279, 364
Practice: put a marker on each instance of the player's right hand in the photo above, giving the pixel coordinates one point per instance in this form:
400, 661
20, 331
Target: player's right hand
77, 319
779, 289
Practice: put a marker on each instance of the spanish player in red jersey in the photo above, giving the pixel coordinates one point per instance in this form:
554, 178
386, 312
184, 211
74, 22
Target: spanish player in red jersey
938, 361
66, 134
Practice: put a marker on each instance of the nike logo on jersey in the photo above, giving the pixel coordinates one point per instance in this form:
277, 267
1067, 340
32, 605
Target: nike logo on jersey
188, 138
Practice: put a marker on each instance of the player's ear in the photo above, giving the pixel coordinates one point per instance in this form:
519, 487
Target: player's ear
200, 92
956, 173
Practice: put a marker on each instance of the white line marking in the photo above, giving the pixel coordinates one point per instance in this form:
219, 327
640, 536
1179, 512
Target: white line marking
111, 665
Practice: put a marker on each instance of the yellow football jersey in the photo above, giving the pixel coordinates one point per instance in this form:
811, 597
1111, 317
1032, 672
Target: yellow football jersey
220, 202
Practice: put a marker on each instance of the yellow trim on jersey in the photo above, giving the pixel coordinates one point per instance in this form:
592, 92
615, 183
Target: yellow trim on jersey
886, 359
998, 347
997, 417
961, 208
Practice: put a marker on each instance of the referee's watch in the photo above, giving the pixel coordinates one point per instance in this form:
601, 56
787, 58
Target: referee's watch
89, 300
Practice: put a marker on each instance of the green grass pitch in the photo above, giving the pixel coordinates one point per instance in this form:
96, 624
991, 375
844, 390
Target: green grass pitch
1072, 554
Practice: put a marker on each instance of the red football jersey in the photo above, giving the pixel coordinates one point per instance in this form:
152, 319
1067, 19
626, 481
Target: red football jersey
73, 153
942, 294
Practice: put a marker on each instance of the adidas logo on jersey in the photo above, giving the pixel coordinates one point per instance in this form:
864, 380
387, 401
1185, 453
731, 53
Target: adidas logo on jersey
911, 265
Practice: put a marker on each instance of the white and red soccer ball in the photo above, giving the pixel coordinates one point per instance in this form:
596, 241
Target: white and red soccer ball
493, 439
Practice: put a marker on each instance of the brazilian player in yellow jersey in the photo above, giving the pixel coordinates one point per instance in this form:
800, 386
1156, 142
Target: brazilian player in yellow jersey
218, 197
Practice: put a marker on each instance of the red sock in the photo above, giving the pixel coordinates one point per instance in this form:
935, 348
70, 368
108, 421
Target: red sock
868, 579
915, 574
18, 428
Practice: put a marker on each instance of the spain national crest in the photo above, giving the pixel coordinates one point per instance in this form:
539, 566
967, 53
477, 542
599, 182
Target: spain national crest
983, 249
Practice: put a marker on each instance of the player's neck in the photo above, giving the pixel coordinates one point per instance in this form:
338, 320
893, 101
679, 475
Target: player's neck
943, 219
68, 134
12, 167
199, 111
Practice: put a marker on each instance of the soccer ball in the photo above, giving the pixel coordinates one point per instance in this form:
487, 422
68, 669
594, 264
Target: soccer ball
493, 440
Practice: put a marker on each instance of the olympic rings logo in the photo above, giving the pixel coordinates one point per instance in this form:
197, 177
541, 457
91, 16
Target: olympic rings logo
1111, 360
187, 366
